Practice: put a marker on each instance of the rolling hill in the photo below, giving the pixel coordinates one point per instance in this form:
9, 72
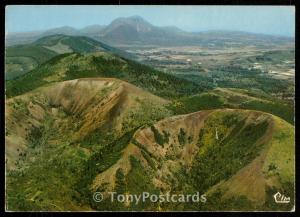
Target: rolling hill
235, 98
48, 121
114, 101
101, 64
22, 58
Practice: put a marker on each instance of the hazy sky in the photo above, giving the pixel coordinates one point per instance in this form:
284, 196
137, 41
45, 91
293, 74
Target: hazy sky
278, 20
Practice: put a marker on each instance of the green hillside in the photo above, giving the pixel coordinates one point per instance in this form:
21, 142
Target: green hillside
234, 98
78, 44
102, 64
22, 58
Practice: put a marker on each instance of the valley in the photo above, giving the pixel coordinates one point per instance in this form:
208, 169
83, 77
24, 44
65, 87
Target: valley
220, 66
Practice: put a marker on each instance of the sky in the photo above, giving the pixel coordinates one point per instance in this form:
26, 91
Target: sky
275, 20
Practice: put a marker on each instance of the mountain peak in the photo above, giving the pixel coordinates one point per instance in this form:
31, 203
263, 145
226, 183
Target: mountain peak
133, 20
129, 25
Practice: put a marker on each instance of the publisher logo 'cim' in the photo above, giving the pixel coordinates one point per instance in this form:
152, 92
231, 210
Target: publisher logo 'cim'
280, 198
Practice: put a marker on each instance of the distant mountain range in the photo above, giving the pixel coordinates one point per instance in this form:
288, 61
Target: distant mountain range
137, 31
